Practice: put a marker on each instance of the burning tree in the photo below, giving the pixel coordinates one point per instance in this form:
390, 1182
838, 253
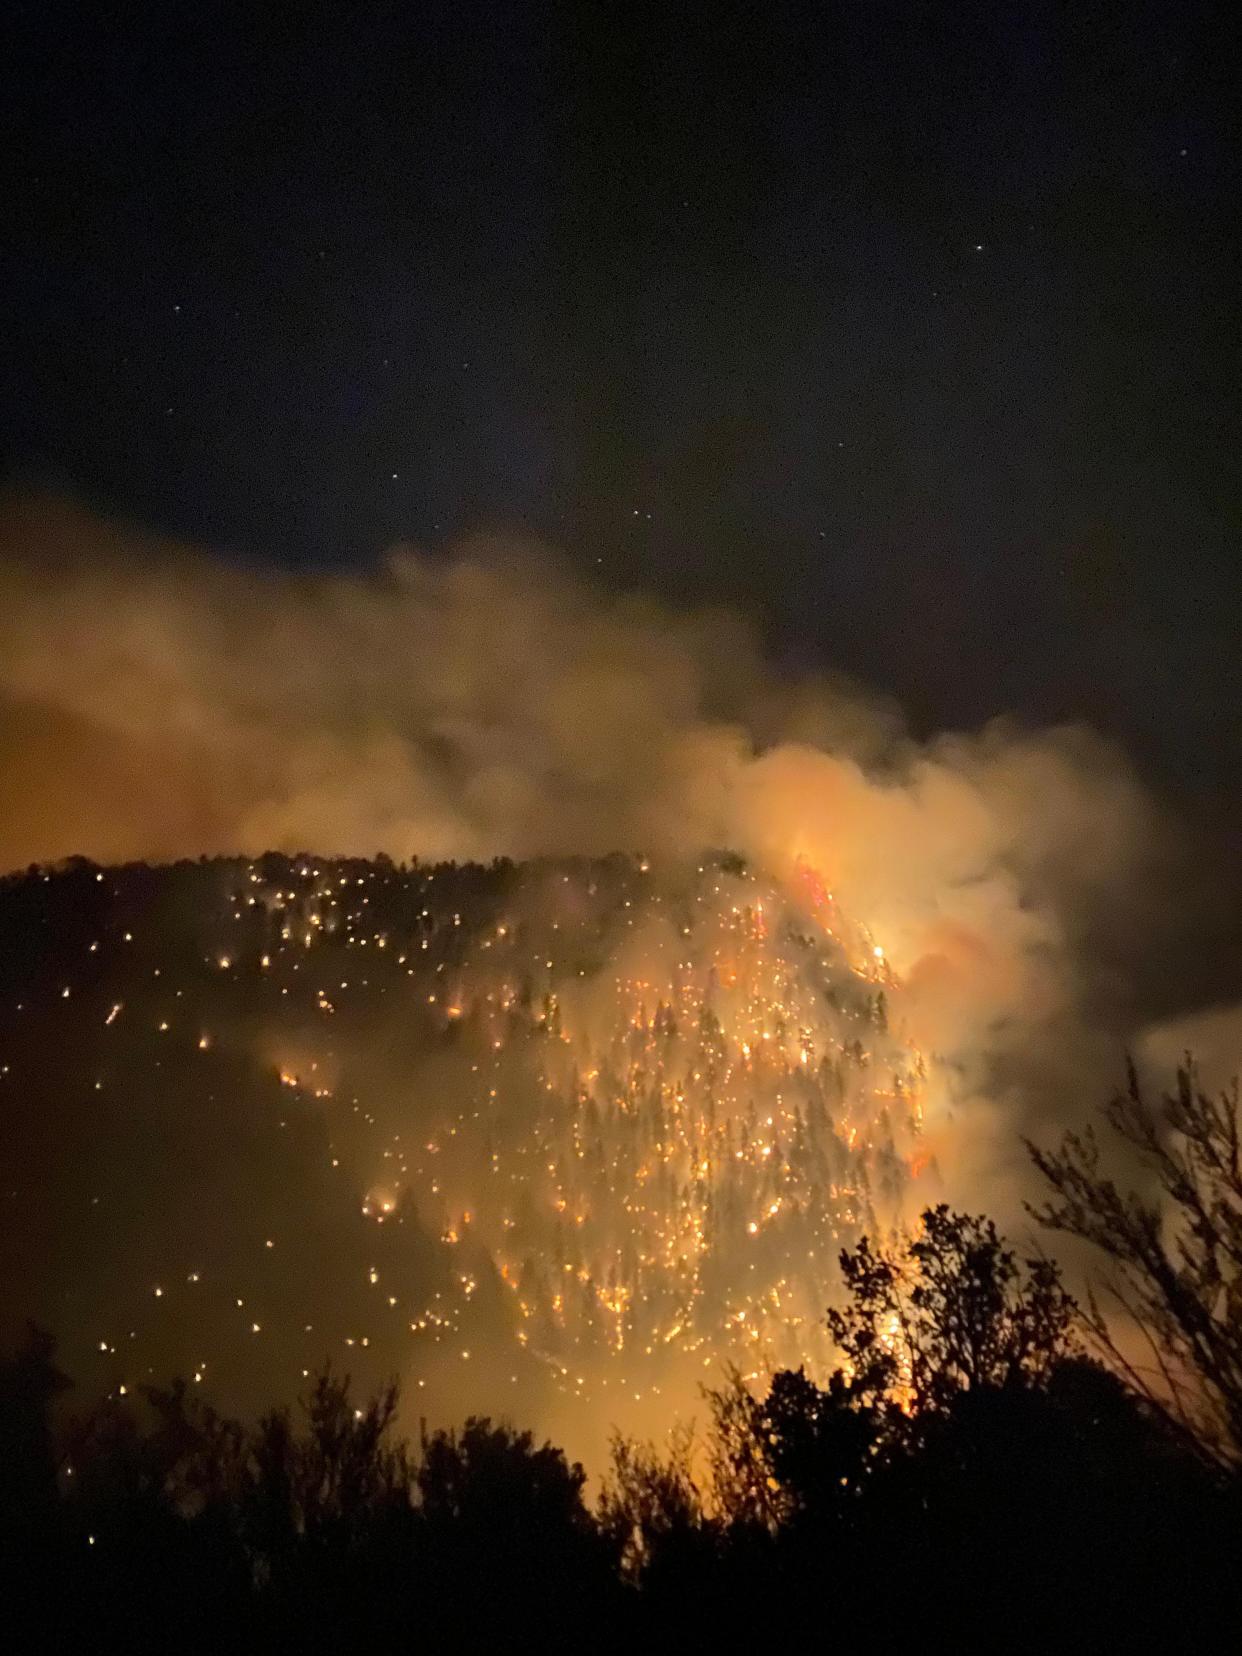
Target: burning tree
1175, 1256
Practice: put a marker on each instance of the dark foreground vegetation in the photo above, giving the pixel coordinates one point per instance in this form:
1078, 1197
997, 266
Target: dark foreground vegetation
991, 1467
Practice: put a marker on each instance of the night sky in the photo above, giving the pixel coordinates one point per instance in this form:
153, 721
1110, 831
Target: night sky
910, 329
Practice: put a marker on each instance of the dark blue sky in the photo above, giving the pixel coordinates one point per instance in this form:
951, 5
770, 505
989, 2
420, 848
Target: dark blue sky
912, 329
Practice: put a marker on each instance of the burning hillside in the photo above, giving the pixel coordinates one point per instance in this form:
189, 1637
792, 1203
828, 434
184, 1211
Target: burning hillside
593, 1127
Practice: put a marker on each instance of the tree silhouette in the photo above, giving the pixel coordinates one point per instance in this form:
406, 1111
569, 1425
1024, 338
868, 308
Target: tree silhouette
32, 1532
1175, 1257
652, 1509
29, 1384
499, 1511
963, 1470
954, 1309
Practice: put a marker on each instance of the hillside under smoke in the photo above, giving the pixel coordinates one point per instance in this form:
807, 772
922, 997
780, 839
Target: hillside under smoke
1005, 890
594, 1127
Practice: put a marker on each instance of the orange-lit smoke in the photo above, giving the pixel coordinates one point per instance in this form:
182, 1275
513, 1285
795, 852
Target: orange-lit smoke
156, 702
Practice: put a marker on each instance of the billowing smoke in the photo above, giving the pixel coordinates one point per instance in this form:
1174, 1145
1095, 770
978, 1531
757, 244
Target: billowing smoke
156, 702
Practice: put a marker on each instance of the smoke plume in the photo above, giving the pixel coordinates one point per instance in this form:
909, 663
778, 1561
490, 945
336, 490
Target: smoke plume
156, 702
